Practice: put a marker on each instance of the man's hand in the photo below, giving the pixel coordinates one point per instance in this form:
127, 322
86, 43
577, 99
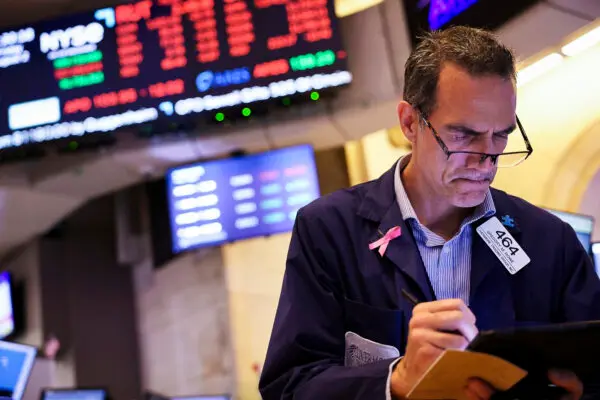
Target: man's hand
430, 333
568, 381
479, 390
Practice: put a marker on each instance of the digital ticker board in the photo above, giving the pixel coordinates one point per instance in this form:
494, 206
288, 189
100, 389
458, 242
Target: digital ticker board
136, 63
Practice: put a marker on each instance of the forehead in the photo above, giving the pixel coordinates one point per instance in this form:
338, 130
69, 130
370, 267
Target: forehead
461, 95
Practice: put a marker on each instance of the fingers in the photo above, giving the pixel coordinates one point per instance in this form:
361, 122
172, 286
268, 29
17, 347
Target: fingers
446, 321
443, 305
479, 390
568, 381
440, 340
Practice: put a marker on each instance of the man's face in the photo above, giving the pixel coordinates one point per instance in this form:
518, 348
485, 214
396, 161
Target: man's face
471, 114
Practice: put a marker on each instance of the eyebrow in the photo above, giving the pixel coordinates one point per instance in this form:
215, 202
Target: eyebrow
469, 131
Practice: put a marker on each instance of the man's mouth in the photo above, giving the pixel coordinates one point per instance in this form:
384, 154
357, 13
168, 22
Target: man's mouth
474, 182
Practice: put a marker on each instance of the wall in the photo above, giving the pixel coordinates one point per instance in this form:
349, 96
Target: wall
88, 301
24, 267
183, 326
75, 289
559, 111
254, 270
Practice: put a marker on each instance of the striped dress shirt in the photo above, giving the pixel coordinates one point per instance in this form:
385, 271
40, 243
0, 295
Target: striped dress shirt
448, 263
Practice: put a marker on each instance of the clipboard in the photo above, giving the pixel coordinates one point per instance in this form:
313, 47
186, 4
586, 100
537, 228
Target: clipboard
537, 349
517, 361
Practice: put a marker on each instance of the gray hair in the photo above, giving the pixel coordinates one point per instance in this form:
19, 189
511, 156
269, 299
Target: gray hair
477, 51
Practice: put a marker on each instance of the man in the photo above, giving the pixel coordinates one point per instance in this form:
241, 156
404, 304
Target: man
343, 328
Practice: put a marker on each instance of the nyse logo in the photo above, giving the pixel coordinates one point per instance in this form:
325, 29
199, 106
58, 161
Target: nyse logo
209, 79
75, 36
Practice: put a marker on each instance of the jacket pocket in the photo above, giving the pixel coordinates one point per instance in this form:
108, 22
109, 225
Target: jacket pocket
384, 326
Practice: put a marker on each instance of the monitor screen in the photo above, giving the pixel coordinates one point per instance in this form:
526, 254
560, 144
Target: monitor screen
16, 362
427, 15
74, 394
7, 317
236, 198
596, 254
582, 224
114, 67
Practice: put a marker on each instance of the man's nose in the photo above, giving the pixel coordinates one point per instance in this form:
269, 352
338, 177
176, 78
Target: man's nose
482, 162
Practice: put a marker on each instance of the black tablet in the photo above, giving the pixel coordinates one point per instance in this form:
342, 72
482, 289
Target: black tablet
537, 349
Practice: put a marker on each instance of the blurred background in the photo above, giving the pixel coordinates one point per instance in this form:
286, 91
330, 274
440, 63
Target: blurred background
153, 156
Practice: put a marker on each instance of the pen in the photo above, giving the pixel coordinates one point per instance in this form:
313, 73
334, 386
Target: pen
412, 299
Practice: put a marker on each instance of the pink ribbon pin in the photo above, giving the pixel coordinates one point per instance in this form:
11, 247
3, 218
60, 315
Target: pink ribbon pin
383, 242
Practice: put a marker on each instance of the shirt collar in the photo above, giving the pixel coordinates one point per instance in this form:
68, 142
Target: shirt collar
484, 210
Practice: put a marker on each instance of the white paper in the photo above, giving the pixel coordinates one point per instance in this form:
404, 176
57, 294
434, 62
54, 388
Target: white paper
504, 245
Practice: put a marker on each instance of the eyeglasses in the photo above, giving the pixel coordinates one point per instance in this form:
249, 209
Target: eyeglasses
502, 160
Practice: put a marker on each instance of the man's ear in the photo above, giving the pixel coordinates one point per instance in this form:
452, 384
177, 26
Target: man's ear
409, 121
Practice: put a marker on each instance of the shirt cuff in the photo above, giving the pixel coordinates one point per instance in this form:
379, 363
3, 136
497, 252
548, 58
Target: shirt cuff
388, 384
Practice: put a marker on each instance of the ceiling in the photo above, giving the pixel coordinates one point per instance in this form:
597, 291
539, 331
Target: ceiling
34, 196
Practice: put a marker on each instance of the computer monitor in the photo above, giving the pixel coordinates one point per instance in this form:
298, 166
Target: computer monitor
236, 198
7, 314
596, 255
583, 225
74, 394
16, 362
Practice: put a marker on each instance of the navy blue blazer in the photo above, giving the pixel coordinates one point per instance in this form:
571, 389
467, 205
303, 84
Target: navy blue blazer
334, 284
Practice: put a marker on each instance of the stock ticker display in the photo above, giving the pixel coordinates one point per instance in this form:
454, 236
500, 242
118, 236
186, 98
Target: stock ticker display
241, 197
135, 63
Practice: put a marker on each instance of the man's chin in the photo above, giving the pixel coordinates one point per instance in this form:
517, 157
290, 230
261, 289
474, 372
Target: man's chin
468, 202
469, 199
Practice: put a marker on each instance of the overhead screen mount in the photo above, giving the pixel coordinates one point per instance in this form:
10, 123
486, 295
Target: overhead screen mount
162, 60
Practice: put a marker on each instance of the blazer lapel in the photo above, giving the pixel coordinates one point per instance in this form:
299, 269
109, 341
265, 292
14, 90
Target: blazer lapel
404, 253
381, 206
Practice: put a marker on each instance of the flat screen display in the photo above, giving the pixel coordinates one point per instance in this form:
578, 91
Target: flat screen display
74, 394
428, 15
596, 255
237, 198
110, 68
7, 318
582, 224
16, 362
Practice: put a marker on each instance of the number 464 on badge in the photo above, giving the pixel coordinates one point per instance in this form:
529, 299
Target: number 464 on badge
504, 245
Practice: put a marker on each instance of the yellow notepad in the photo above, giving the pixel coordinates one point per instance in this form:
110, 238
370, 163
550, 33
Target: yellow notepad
449, 374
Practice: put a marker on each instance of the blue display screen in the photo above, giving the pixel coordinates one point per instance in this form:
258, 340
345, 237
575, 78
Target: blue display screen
232, 199
596, 254
428, 15
583, 226
75, 394
442, 12
7, 319
16, 362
